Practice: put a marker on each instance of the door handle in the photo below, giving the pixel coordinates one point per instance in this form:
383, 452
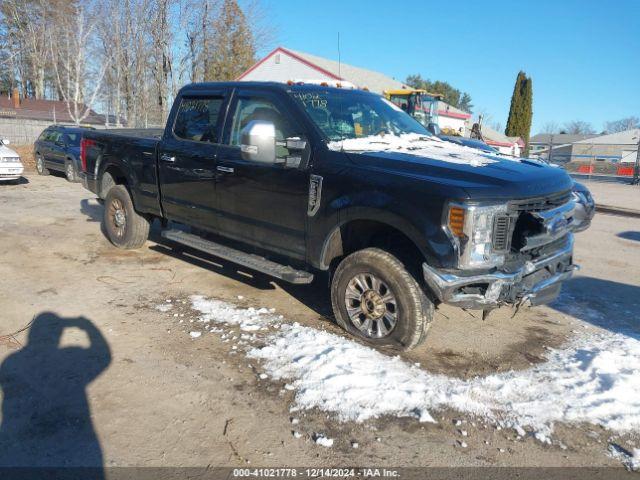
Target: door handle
167, 158
225, 169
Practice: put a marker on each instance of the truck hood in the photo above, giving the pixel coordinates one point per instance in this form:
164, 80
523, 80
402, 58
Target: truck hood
481, 175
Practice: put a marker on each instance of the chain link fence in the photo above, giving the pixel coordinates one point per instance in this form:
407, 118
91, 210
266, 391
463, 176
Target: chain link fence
598, 161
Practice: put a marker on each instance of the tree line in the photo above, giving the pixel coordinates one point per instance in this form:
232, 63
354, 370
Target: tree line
581, 127
130, 57
450, 94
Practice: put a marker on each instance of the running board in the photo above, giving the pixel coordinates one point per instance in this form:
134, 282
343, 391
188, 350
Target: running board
254, 262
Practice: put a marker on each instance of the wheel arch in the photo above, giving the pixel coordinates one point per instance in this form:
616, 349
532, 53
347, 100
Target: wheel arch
358, 233
119, 175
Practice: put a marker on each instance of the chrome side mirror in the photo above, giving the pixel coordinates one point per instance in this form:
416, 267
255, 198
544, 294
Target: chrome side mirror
258, 142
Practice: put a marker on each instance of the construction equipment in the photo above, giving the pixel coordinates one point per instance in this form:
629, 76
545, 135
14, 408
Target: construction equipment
418, 103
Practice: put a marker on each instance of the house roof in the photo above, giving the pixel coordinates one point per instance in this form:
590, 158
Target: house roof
47, 110
628, 137
559, 138
361, 77
493, 137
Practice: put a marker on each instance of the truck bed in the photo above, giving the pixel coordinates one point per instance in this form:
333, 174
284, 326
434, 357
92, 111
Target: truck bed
130, 153
135, 132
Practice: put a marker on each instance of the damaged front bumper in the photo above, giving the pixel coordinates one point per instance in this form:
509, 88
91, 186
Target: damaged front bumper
537, 281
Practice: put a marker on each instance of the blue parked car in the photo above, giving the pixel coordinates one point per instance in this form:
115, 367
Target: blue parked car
58, 148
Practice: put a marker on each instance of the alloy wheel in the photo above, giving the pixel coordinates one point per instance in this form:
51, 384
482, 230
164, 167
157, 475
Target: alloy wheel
371, 305
118, 217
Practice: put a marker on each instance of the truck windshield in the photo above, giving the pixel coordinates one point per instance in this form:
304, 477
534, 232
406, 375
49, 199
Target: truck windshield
351, 114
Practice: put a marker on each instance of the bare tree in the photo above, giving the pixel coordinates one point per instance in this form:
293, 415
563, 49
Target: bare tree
622, 125
25, 24
128, 57
550, 127
578, 127
78, 80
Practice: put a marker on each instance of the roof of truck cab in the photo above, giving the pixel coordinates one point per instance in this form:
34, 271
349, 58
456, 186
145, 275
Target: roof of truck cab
276, 85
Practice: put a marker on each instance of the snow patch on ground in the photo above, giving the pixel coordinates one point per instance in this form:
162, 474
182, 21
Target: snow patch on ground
595, 379
419, 145
320, 439
248, 319
630, 459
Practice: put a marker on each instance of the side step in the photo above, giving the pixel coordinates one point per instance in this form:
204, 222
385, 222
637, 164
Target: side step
254, 262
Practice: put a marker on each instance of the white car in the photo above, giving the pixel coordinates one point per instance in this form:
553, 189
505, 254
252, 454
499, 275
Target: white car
10, 165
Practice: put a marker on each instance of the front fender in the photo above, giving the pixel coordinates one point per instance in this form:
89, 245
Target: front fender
428, 237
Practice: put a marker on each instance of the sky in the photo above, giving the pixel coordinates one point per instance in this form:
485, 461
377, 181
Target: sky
583, 56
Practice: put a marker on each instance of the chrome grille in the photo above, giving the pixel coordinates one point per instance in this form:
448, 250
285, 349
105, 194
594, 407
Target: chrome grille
501, 233
541, 203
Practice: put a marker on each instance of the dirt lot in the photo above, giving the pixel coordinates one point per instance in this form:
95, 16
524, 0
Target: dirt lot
147, 394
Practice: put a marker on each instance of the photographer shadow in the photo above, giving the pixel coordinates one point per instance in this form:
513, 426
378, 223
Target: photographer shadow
46, 418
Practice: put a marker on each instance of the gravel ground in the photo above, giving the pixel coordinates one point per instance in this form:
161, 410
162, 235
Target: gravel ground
147, 394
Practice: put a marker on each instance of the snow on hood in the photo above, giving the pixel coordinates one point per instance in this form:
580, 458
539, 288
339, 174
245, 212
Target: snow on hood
595, 379
418, 145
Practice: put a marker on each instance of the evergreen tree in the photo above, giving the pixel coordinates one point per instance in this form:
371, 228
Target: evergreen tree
233, 47
521, 110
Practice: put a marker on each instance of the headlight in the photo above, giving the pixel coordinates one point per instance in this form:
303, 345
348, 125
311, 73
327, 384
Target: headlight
472, 227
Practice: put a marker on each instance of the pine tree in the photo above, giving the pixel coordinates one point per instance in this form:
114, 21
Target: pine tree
233, 49
521, 110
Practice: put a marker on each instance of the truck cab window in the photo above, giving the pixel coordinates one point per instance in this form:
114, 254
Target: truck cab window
250, 109
197, 119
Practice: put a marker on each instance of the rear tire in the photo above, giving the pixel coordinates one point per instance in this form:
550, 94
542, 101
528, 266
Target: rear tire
70, 171
40, 167
376, 299
107, 183
125, 227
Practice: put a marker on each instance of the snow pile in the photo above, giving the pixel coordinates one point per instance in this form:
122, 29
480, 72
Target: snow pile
249, 319
596, 379
419, 145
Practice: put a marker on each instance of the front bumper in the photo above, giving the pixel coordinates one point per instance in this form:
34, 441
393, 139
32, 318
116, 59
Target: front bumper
537, 281
11, 171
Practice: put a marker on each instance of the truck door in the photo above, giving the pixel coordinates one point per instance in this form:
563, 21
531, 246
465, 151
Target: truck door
261, 204
187, 159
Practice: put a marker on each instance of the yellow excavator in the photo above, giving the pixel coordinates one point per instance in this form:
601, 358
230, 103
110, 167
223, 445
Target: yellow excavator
420, 104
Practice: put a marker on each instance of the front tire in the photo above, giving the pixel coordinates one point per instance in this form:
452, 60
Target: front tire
125, 227
375, 298
40, 167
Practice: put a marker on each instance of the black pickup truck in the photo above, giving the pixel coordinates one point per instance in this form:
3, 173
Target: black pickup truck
292, 180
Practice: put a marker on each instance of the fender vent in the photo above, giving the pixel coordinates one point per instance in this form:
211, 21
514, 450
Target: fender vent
501, 233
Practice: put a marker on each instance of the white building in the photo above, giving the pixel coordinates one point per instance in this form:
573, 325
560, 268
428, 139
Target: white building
283, 65
452, 118
513, 146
